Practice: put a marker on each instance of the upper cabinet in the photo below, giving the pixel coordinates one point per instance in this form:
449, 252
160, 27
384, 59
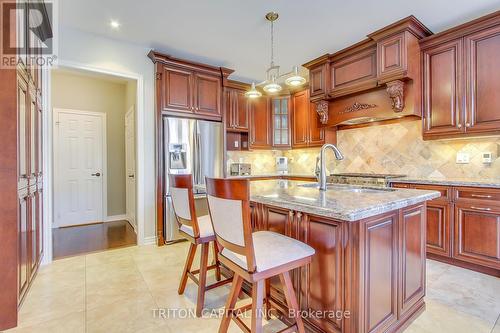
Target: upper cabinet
281, 122
306, 128
443, 90
260, 123
482, 54
188, 89
387, 61
237, 108
461, 81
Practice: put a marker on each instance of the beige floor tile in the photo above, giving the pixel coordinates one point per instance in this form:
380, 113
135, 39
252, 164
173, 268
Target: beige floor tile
39, 307
98, 296
467, 292
444, 319
131, 315
73, 322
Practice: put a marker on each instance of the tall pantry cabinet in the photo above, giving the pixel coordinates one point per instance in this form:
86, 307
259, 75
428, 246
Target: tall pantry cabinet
21, 167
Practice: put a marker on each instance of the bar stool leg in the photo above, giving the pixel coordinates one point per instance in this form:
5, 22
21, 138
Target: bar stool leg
202, 279
291, 300
268, 299
257, 300
217, 263
187, 268
230, 303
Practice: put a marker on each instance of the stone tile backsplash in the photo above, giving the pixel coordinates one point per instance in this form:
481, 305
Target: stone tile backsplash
393, 148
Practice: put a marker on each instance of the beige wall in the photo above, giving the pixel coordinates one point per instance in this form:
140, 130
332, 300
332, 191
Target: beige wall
75, 91
395, 148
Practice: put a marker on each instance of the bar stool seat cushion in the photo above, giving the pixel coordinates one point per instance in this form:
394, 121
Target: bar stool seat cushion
204, 224
271, 250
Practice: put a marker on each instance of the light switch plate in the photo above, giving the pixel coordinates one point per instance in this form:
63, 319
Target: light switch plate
236, 144
463, 158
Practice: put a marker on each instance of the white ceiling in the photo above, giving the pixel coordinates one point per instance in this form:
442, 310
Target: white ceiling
235, 34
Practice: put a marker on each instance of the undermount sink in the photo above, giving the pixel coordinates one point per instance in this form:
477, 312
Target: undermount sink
350, 188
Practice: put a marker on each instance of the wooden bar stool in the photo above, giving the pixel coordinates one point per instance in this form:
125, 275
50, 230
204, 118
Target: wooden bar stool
198, 230
253, 256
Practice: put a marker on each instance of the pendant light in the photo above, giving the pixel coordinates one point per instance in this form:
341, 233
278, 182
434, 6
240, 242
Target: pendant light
253, 92
271, 85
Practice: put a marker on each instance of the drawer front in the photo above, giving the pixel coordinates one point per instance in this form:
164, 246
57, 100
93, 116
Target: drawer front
400, 185
444, 190
492, 196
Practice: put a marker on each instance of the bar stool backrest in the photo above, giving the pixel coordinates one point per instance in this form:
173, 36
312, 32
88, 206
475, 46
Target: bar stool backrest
181, 192
229, 206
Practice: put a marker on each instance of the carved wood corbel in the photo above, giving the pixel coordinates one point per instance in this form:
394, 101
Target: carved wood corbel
322, 110
395, 89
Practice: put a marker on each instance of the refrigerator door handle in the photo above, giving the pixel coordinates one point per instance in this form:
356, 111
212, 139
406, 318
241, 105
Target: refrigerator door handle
197, 172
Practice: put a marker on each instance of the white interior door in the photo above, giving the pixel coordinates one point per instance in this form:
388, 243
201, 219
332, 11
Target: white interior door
130, 165
78, 160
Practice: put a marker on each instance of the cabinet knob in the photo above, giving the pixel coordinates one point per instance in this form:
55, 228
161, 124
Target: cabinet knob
459, 125
467, 125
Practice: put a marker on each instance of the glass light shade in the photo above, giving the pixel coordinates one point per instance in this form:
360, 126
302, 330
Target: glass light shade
295, 80
253, 92
272, 88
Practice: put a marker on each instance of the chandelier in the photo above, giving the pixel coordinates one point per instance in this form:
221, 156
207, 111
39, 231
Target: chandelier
270, 85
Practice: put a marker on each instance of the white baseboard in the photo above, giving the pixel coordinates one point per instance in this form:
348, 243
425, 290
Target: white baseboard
116, 218
149, 240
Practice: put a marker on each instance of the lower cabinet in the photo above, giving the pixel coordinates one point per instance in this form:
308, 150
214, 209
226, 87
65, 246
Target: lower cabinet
30, 236
438, 227
463, 226
477, 233
372, 269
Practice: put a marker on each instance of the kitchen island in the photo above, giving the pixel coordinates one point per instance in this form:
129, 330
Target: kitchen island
368, 273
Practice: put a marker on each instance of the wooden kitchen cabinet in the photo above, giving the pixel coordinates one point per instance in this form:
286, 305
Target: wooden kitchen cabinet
208, 95
462, 226
280, 122
23, 266
188, 89
177, 90
260, 124
477, 230
191, 92
326, 237
237, 110
443, 89
356, 71
460, 81
482, 63
306, 129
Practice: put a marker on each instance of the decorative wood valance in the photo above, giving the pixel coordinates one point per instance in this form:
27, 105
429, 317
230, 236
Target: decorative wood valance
395, 89
357, 107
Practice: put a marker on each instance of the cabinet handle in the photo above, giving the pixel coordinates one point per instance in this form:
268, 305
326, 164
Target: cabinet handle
481, 196
480, 208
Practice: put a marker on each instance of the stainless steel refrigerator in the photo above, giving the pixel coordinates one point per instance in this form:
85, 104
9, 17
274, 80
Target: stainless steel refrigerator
195, 147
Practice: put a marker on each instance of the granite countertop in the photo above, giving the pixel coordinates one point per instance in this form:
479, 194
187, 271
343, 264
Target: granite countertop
473, 182
338, 202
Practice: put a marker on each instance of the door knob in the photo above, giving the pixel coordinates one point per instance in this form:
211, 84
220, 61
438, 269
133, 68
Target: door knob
96, 174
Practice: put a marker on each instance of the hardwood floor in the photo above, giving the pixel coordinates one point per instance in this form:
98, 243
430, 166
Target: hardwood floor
82, 239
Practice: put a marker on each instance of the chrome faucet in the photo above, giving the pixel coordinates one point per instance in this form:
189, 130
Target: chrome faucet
322, 175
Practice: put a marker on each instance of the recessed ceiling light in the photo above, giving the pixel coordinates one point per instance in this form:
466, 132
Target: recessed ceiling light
114, 24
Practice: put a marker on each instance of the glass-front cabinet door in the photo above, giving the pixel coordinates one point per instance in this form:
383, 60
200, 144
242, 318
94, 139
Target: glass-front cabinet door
281, 122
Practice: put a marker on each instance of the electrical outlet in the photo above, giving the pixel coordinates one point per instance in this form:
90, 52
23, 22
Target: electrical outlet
463, 158
236, 144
